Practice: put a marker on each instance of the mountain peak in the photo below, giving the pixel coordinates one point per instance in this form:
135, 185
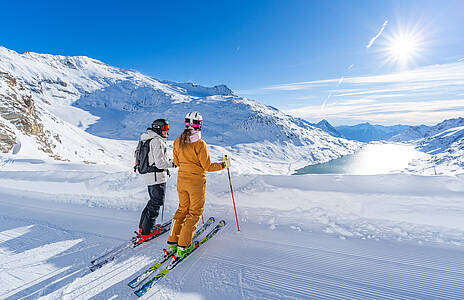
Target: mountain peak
327, 127
323, 122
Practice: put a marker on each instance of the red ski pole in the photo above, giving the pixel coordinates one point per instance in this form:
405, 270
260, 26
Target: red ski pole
233, 200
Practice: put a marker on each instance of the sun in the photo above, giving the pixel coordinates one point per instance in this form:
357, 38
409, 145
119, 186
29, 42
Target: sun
403, 47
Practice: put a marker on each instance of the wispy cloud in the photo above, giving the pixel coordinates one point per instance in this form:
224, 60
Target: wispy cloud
441, 75
352, 111
371, 42
424, 95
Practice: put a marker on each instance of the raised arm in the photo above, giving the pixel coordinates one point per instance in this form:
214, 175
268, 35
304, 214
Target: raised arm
205, 160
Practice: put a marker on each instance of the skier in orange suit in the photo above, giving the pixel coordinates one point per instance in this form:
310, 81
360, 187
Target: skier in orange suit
192, 157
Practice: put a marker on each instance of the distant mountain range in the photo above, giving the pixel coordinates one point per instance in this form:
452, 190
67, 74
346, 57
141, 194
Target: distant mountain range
367, 132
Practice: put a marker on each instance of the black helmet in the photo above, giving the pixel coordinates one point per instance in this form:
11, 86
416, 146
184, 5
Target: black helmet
160, 125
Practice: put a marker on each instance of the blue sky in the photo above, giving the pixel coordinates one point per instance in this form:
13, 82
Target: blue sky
308, 58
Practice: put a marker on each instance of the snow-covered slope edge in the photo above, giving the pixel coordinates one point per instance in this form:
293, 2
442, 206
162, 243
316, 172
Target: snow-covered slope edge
73, 94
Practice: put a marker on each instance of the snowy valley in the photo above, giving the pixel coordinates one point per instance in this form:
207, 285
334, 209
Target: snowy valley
441, 144
68, 129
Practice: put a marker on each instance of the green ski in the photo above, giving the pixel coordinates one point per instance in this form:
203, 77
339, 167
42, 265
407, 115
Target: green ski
174, 262
165, 257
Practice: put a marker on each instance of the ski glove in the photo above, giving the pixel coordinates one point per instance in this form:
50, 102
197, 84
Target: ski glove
226, 162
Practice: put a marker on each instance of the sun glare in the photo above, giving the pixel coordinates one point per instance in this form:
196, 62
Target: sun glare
403, 47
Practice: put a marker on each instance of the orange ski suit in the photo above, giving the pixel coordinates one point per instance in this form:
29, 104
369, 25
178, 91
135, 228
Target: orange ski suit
193, 161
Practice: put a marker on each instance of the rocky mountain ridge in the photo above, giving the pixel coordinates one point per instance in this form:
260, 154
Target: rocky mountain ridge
19, 115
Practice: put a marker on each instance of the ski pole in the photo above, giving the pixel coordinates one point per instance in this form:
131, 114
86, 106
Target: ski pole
202, 221
162, 215
233, 200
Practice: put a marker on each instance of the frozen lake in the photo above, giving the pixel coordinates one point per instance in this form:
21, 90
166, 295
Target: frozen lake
375, 158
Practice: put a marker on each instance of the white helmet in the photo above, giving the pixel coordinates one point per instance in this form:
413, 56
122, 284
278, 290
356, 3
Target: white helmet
193, 119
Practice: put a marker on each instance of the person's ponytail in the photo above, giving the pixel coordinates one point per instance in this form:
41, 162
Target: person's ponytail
185, 137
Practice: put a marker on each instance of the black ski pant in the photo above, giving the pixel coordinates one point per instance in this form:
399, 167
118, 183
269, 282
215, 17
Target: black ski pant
151, 210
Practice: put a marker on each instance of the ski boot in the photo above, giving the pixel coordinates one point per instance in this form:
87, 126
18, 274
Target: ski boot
144, 237
172, 248
183, 251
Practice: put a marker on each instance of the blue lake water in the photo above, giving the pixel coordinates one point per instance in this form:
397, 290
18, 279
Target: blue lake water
376, 158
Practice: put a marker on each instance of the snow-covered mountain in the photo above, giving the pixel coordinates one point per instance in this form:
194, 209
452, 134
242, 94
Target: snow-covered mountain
366, 132
411, 133
414, 133
82, 106
445, 143
442, 136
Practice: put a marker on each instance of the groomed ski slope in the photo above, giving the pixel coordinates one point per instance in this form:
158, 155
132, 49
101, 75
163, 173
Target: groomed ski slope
302, 237
258, 264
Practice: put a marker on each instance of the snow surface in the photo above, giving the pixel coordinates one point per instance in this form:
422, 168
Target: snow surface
302, 237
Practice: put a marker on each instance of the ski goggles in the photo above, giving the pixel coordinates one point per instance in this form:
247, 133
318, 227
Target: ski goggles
165, 127
193, 123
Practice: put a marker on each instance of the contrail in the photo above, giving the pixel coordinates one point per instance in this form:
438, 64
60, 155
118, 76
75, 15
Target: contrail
371, 42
